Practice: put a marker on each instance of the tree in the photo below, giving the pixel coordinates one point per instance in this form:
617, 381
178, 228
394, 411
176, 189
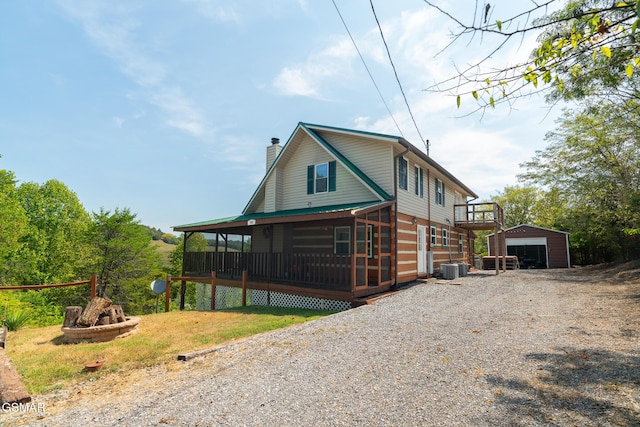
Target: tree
588, 47
593, 162
121, 254
13, 225
52, 247
519, 204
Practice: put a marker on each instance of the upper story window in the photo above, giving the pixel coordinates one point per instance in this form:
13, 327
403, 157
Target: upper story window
321, 178
419, 182
403, 178
439, 192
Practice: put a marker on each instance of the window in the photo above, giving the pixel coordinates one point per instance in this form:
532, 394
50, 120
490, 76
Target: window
342, 240
445, 237
434, 235
460, 243
439, 192
419, 186
321, 178
403, 179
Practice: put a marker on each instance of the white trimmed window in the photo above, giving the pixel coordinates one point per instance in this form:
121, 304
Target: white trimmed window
434, 235
419, 181
439, 192
460, 243
403, 172
445, 237
321, 178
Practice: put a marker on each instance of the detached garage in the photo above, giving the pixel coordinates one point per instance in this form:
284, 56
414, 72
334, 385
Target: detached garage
535, 247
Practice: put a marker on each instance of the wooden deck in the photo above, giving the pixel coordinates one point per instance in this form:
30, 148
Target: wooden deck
479, 216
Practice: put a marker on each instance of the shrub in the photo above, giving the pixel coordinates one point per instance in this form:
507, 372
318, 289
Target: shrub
15, 320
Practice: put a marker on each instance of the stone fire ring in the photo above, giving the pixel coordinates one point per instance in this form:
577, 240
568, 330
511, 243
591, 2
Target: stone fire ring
101, 333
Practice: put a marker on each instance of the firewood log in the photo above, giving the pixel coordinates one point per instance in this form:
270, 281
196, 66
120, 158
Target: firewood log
90, 315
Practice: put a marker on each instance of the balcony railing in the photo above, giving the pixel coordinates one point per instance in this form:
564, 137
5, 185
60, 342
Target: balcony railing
306, 270
479, 215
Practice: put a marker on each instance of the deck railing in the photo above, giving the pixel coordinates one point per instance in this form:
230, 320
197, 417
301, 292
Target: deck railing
479, 214
307, 270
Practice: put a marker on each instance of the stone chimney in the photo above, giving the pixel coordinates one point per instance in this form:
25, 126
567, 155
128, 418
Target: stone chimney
272, 151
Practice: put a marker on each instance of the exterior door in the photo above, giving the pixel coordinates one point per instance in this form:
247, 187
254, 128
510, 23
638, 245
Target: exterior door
422, 249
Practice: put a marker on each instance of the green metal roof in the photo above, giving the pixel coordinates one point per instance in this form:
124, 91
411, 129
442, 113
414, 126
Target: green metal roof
285, 213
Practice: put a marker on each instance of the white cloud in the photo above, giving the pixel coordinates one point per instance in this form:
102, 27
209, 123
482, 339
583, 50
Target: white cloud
318, 72
113, 29
215, 10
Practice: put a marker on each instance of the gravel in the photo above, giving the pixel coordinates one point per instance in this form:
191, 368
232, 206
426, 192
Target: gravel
525, 348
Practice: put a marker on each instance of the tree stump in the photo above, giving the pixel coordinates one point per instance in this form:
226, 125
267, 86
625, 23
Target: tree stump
90, 315
71, 315
113, 317
119, 313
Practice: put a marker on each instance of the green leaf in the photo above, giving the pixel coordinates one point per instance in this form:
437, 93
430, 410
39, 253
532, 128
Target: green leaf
629, 70
475, 94
499, 24
458, 101
492, 102
488, 81
606, 50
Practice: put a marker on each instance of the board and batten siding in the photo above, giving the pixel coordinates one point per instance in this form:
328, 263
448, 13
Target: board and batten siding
294, 181
374, 158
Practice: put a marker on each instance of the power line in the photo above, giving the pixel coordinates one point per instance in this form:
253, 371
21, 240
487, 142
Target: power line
396, 74
367, 68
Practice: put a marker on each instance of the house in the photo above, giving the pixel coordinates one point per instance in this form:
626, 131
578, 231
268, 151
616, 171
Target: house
341, 215
535, 247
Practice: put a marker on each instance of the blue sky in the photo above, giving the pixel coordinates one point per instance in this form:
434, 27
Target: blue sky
167, 107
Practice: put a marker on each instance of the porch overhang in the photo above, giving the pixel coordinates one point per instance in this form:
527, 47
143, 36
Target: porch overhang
242, 224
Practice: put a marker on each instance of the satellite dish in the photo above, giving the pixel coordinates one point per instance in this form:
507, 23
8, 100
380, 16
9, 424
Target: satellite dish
158, 286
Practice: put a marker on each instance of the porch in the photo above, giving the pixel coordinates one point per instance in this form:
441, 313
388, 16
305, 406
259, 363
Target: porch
334, 252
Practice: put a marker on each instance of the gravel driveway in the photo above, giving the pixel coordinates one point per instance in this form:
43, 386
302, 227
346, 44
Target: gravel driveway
524, 348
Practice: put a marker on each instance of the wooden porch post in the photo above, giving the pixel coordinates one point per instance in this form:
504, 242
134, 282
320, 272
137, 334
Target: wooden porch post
167, 294
496, 240
94, 282
183, 292
504, 255
213, 290
244, 288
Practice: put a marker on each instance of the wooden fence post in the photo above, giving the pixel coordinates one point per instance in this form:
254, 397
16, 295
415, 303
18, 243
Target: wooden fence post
213, 290
167, 294
244, 288
94, 281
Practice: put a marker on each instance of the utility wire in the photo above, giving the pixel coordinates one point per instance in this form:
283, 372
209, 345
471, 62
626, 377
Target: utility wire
396, 74
367, 68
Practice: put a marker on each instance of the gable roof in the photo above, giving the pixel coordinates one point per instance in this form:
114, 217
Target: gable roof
308, 129
404, 143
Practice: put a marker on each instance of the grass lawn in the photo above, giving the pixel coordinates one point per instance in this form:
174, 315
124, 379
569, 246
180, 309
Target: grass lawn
45, 363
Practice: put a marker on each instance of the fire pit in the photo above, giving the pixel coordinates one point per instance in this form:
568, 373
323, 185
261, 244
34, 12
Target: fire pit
99, 322
101, 333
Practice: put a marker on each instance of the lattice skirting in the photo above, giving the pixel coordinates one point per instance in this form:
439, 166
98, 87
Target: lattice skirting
228, 297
